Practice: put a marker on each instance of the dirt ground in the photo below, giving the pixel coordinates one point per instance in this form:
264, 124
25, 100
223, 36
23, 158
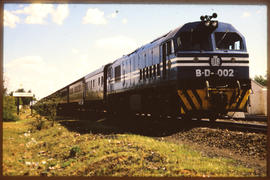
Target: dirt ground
248, 149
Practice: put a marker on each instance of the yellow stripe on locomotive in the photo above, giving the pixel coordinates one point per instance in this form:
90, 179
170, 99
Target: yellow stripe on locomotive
195, 100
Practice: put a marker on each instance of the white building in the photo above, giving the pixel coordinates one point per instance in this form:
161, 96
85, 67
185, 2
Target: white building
258, 99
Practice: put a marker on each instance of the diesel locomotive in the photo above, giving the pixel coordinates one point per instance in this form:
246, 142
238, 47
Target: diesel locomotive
200, 69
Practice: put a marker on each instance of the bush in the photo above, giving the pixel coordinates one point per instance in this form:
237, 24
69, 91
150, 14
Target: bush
9, 109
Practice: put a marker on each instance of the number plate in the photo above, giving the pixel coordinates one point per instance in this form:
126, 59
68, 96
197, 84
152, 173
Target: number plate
218, 72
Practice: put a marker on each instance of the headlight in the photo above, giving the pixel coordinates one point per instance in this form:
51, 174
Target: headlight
214, 23
207, 23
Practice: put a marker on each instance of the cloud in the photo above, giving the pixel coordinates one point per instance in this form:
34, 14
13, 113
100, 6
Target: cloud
245, 14
10, 20
94, 16
113, 15
60, 14
259, 11
124, 20
36, 13
74, 51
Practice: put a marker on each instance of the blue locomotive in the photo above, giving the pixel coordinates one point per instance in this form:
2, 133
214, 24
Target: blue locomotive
200, 69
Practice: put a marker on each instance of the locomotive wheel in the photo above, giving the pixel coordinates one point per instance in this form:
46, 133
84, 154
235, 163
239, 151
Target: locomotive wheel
186, 118
213, 118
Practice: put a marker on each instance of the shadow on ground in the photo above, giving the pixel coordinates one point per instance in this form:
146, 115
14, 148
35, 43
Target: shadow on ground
146, 126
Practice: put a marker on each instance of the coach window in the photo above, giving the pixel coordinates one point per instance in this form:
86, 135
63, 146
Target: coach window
158, 69
150, 69
154, 70
143, 73
102, 79
110, 72
147, 73
93, 83
98, 80
140, 74
117, 73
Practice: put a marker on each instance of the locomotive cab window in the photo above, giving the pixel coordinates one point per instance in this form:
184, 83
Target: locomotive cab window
194, 41
228, 41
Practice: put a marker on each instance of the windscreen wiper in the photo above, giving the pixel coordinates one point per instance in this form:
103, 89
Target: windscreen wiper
223, 37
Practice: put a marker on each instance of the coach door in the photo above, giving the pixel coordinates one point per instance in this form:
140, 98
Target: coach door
164, 71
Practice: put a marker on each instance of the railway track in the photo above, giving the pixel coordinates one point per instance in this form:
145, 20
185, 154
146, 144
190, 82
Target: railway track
249, 118
237, 126
146, 123
256, 125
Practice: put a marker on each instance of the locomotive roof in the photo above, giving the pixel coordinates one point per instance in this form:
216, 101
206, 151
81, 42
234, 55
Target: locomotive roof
222, 27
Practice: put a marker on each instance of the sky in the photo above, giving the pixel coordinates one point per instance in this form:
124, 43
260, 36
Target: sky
47, 46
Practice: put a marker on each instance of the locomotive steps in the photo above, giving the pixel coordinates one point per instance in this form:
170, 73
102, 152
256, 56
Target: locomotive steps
98, 148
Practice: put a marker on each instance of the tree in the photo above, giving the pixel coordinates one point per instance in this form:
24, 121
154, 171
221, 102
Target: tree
261, 80
9, 107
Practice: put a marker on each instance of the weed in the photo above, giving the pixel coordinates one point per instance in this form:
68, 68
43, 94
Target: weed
74, 151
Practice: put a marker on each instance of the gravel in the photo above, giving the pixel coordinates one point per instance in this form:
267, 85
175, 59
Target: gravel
248, 149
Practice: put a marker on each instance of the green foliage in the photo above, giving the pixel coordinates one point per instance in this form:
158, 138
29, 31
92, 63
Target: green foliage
18, 99
47, 108
261, 80
74, 150
9, 109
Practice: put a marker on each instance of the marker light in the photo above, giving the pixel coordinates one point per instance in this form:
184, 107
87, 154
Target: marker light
202, 18
196, 59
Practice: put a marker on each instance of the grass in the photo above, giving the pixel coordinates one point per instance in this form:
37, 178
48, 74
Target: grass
55, 151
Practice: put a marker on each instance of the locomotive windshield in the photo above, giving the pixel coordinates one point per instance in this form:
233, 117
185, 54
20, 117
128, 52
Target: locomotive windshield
228, 41
194, 41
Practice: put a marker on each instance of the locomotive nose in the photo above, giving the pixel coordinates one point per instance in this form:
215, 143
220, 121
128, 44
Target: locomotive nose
218, 102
